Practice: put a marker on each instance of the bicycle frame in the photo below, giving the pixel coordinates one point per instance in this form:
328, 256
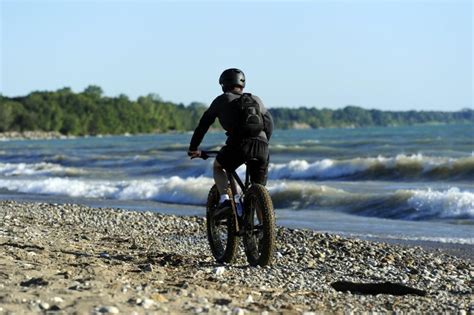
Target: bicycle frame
256, 224
232, 178
231, 174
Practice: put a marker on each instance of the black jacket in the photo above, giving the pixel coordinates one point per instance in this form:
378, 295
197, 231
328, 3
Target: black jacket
222, 109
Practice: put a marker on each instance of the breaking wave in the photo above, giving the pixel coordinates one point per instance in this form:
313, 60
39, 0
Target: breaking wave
399, 167
43, 168
451, 204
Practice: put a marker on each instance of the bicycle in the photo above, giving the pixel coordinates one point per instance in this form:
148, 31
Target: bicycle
256, 221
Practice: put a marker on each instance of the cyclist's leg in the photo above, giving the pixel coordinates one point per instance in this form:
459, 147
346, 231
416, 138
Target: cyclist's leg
257, 150
229, 157
258, 169
220, 178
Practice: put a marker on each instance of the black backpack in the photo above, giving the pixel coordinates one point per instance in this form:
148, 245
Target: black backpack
250, 120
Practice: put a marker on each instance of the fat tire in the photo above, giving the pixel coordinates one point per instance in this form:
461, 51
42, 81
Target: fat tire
260, 254
223, 250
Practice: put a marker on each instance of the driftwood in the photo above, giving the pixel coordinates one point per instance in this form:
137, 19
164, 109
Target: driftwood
376, 288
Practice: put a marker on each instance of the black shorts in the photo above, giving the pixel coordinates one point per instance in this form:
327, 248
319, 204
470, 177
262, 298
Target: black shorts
231, 156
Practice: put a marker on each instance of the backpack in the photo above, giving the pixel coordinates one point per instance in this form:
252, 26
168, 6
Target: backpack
250, 121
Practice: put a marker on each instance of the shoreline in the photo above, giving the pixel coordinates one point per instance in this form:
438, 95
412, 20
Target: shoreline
52, 135
460, 250
73, 258
463, 251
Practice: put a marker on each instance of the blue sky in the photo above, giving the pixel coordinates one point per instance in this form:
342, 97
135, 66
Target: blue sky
396, 55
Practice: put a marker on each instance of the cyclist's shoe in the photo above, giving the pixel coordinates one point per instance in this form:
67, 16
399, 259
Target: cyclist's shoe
223, 209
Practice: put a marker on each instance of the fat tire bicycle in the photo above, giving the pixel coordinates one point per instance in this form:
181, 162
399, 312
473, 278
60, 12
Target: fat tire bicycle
255, 223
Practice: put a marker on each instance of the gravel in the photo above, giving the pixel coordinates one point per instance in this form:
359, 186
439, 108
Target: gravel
98, 261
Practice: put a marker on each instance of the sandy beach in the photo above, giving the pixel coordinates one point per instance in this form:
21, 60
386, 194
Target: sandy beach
73, 259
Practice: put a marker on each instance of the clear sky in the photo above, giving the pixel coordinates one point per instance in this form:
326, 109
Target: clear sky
395, 55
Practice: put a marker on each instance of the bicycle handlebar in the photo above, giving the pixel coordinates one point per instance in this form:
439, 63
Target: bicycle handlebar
206, 154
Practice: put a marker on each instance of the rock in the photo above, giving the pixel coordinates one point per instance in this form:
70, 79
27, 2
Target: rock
57, 299
219, 271
238, 311
104, 255
146, 267
222, 301
249, 299
107, 310
147, 303
33, 282
54, 308
44, 305
135, 301
159, 298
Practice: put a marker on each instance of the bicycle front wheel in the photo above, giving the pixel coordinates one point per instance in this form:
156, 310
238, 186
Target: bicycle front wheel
259, 224
221, 231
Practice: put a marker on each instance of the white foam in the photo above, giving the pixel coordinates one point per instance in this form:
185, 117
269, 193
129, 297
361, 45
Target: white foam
61, 186
439, 239
310, 141
451, 203
173, 189
418, 204
329, 168
43, 168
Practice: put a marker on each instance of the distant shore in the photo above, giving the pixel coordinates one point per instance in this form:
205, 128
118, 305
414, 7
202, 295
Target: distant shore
32, 135
73, 258
47, 135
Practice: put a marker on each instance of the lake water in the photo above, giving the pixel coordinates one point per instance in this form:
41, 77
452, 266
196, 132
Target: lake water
406, 183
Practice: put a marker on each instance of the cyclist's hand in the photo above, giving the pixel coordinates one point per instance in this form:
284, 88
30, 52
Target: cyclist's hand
194, 154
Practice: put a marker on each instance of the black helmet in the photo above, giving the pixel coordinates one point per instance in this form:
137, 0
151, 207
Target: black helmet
232, 77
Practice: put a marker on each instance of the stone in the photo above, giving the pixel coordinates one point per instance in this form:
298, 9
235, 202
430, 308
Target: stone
147, 303
108, 310
44, 305
57, 299
104, 255
33, 282
219, 271
238, 311
159, 298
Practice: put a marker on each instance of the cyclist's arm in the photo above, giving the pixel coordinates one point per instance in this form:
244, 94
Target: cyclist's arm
206, 121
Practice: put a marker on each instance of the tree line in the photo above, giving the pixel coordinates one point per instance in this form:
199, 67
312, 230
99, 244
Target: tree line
90, 113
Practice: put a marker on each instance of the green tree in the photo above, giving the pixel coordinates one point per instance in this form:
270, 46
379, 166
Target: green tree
94, 91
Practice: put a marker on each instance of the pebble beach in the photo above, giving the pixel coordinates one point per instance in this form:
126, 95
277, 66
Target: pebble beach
73, 259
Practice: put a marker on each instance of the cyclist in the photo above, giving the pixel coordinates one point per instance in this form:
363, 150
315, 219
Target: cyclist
238, 149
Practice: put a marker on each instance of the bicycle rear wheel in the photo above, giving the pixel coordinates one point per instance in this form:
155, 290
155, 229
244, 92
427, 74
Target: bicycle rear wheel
259, 223
221, 232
